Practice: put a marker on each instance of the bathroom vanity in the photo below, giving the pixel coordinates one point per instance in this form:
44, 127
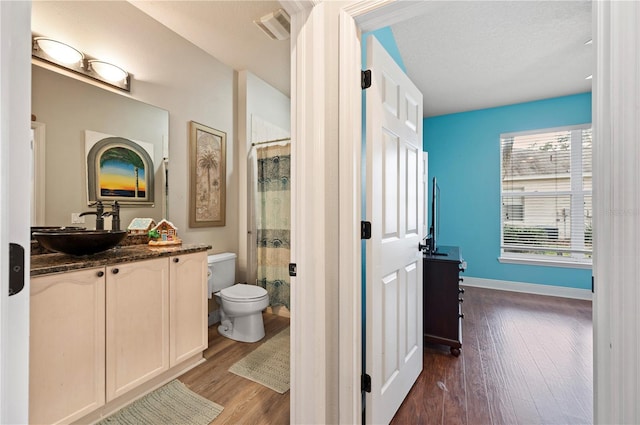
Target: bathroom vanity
109, 327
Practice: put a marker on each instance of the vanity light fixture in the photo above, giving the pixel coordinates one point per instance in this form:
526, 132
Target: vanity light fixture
58, 51
66, 57
107, 71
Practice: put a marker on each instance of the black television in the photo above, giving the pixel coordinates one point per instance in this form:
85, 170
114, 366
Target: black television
434, 229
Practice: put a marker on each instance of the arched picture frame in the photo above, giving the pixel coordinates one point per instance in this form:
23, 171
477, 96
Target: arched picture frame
119, 169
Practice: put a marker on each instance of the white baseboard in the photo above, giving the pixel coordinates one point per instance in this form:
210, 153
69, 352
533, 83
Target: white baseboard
529, 288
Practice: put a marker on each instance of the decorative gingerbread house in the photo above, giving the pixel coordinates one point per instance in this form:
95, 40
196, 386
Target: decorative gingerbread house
167, 234
141, 226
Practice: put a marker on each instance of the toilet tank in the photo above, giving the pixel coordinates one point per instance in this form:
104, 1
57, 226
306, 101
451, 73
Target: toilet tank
222, 271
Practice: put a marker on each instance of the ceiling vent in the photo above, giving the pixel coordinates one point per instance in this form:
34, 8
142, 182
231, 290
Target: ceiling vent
276, 25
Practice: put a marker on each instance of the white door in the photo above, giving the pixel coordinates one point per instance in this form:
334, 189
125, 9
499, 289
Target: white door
395, 209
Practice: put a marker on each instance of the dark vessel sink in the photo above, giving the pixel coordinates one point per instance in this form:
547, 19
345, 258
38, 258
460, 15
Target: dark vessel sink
79, 242
53, 229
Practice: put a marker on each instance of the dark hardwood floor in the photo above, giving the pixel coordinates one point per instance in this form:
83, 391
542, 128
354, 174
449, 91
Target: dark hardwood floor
526, 359
244, 401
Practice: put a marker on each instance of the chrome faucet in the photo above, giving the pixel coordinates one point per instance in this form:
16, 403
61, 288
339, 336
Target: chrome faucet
115, 215
99, 213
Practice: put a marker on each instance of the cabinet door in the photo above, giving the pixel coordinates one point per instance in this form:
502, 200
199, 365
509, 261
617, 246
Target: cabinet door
188, 306
66, 355
137, 324
441, 305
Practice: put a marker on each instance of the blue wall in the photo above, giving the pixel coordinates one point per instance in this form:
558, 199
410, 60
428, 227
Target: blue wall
388, 41
464, 155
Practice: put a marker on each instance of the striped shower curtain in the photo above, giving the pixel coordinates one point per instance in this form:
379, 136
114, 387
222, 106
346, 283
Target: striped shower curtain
273, 211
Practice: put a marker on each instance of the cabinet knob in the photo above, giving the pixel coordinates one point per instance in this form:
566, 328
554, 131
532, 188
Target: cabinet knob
100, 273
115, 271
461, 315
460, 290
460, 300
175, 260
460, 279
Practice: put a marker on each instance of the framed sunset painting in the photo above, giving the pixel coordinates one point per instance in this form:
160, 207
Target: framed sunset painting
119, 169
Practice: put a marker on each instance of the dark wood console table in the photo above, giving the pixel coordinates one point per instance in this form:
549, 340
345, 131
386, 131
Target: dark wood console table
442, 297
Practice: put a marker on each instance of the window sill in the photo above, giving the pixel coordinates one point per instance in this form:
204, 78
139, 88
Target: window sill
544, 262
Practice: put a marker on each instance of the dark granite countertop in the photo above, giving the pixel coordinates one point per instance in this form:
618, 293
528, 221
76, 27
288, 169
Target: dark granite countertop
56, 263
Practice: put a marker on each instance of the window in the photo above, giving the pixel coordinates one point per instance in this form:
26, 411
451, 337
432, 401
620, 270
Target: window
546, 201
513, 206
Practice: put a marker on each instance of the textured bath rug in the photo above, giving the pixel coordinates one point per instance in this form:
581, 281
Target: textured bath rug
170, 404
268, 364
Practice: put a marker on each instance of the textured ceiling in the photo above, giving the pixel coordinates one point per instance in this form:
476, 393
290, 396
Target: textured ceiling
466, 55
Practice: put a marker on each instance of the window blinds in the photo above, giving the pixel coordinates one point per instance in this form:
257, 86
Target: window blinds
546, 194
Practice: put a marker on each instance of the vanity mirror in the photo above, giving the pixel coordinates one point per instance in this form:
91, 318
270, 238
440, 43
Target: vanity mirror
65, 110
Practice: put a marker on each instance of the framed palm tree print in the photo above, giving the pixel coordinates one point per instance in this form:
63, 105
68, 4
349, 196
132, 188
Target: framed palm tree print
208, 171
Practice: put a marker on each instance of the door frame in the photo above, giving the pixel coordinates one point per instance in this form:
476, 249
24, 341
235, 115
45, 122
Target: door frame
363, 16
15, 164
39, 172
366, 16
320, 362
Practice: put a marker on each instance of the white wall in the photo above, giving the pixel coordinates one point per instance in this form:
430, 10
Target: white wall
255, 98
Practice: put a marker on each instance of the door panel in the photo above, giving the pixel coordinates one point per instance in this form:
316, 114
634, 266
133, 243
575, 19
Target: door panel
187, 306
395, 201
390, 195
137, 324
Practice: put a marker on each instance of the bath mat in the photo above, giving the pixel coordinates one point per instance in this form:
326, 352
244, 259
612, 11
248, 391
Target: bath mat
170, 404
268, 364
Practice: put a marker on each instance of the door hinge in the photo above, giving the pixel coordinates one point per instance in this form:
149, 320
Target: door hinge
365, 230
293, 269
593, 286
365, 384
365, 82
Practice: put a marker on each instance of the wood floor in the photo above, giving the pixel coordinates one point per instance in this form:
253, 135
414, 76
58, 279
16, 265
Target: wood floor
526, 359
244, 401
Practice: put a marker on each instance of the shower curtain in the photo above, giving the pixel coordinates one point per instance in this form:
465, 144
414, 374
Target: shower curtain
273, 211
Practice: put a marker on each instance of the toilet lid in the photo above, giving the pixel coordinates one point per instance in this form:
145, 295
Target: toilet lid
243, 292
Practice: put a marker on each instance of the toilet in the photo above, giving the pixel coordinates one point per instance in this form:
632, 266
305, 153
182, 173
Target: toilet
241, 305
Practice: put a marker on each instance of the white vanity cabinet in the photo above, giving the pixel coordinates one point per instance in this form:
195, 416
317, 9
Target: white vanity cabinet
98, 334
137, 323
188, 306
67, 346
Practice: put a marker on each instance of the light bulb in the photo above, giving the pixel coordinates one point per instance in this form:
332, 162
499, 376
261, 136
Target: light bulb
59, 51
108, 71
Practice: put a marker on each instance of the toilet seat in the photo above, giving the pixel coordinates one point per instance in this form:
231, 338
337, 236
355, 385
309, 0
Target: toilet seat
243, 293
